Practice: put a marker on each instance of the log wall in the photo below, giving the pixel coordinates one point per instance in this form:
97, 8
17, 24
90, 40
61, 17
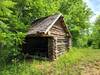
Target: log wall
60, 37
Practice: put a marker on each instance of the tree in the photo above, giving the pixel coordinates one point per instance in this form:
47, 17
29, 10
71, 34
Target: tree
76, 15
28, 10
9, 31
96, 33
16, 16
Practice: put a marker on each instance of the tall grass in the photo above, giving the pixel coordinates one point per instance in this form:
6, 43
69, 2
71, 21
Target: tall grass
66, 64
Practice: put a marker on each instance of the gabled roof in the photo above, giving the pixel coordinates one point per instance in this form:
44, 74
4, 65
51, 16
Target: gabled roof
43, 25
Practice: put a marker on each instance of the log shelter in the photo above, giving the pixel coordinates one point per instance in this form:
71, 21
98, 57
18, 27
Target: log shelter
48, 37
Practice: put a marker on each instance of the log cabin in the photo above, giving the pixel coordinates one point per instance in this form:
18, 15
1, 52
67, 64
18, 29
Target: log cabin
48, 37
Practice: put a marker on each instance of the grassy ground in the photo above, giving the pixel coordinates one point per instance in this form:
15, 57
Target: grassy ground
76, 62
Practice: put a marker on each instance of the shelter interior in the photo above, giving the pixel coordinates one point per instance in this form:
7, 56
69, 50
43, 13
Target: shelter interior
37, 46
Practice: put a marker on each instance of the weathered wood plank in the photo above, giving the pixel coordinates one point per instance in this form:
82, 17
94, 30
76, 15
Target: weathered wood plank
57, 34
62, 43
57, 30
57, 27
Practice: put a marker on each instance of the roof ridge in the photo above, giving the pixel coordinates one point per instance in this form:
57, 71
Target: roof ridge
44, 24
53, 23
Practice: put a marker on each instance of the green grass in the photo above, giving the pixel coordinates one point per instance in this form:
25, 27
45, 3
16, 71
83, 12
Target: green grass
67, 64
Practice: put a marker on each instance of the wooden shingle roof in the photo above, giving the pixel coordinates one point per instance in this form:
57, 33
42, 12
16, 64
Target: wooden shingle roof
43, 25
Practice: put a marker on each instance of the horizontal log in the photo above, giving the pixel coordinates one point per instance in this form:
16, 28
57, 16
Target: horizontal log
62, 40
56, 30
61, 37
60, 53
57, 27
54, 33
62, 44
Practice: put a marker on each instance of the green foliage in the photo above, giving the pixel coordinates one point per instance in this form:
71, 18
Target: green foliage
96, 34
5, 8
11, 30
71, 63
28, 10
76, 15
16, 16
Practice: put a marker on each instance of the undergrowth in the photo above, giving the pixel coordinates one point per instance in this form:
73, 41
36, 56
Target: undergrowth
66, 64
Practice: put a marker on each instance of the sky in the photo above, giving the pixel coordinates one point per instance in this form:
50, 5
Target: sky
95, 7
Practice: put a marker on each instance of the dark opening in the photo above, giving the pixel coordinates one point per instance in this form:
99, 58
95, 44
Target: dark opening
36, 46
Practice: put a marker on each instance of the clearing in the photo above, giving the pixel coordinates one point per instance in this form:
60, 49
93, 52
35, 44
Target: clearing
76, 62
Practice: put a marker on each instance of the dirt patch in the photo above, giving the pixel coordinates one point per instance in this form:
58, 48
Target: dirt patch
90, 68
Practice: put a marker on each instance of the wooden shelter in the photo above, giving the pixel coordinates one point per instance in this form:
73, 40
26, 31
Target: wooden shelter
47, 37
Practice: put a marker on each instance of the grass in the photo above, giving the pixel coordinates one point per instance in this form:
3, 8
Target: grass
73, 63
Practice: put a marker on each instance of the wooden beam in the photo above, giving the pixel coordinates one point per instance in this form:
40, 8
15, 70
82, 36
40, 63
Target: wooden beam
62, 43
56, 27
58, 34
53, 23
